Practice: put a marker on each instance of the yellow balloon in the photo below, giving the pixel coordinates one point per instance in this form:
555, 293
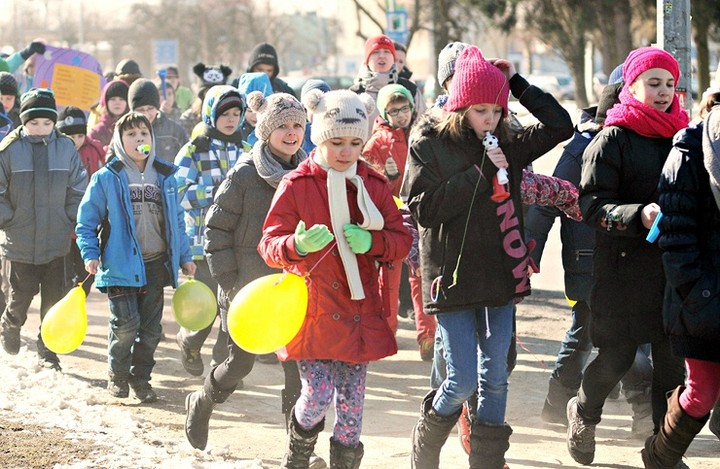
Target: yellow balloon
570, 302
65, 324
268, 312
398, 202
194, 305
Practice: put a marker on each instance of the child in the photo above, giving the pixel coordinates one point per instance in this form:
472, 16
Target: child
9, 98
234, 227
473, 258
345, 327
203, 164
387, 152
72, 122
247, 83
143, 97
41, 181
113, 104
133, 259
183, 95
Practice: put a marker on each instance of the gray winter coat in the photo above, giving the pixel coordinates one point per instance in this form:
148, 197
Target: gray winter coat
42, 181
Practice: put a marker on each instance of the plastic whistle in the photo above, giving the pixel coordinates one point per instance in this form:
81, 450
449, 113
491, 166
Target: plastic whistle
144, 149
500, 193
654, 229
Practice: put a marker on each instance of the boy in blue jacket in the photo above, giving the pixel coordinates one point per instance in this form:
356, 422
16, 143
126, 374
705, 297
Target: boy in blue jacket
138, 249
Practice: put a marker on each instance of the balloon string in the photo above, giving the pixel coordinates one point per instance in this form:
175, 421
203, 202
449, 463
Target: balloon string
321, 258
84, 280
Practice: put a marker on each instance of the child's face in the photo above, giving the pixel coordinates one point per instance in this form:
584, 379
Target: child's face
39, 127
399, 114
654, 87
78, 140
285, 141
132, 138
228, 121
381, 61
250, 117
116, 105
483, 118
148, 111
8, 101
341, 152
400, 57
267, 69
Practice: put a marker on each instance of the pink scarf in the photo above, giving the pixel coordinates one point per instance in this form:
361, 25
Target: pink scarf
646, 120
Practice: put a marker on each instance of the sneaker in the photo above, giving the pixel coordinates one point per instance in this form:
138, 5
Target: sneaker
191, 359
49, 361
10, 338
144, 392
267, 358
580, 437
463, 425
427, 349
118, 388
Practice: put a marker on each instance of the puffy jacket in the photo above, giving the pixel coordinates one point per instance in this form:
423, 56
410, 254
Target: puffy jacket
107, 204
475, 247
620, 175
384, 143
41, 183
690, 240
336, 327
169, 137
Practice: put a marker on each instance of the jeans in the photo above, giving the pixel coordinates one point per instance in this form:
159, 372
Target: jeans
611, 363
194, 340
135, 315
476, 344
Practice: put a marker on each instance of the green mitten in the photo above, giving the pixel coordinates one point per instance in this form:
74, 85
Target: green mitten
360, 240
312, 240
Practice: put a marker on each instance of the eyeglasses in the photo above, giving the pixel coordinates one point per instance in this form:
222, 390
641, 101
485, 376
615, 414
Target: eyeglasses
395, 112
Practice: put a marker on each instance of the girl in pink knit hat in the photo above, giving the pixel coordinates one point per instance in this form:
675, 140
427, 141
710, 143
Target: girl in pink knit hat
472, 253
618, 196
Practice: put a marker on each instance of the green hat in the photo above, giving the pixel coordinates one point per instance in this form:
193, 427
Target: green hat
387, 91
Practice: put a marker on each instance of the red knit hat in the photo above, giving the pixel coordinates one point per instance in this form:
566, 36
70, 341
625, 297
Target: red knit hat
378, 42
644, 58
477, 81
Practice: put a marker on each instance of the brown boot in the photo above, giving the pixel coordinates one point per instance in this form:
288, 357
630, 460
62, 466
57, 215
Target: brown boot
488, 446
665, 449
429, 435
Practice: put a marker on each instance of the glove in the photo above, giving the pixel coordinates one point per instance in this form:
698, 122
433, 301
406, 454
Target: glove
34, 48
391, 169
312, 240
360, 240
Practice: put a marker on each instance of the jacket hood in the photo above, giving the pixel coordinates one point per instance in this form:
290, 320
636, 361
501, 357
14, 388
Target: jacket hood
212, 99
117, 149
264, 53
254, 81
426, 124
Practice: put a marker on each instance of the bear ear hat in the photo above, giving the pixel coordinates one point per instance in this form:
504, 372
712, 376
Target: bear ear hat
225, 70
313, 101
199, 69
368, 101
256, 101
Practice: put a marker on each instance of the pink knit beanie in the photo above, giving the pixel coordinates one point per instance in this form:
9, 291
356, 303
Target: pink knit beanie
644, 58
477, 81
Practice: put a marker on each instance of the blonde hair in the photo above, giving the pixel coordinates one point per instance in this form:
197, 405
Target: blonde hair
455, 125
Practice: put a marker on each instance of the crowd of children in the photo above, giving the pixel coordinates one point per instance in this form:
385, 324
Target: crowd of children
246, 180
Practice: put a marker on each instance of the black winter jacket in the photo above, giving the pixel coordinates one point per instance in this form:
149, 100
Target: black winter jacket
460, 226
690, 239
620, 175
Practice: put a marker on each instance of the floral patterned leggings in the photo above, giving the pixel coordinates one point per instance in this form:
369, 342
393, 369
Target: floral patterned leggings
323, 379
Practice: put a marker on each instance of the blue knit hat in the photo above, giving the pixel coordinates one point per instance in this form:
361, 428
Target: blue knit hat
314, 84
616, 75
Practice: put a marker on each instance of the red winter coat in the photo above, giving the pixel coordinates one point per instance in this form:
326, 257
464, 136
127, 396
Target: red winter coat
92, 155
384, 143
336, 327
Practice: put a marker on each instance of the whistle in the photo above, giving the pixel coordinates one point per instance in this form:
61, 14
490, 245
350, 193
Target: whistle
144, 149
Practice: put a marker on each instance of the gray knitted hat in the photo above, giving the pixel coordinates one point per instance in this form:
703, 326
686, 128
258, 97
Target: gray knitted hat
274, 111
446, 60
340, 113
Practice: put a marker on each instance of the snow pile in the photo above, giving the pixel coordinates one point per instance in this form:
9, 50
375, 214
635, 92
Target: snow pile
35, 395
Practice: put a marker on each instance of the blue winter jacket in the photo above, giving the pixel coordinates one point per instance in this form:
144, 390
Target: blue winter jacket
106, 207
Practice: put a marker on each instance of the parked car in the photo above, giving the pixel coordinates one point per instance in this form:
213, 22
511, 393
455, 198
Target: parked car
336, 82
557, 84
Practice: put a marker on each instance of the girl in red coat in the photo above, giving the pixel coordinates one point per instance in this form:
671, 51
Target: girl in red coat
334, 220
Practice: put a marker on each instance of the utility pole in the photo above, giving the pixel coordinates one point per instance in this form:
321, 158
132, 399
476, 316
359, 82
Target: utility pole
673, 35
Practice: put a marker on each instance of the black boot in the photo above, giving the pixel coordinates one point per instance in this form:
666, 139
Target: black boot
345, 457
430, 434
714, 424
300, 444
199, 406
665, 449
488, 444
553, 410
288, 403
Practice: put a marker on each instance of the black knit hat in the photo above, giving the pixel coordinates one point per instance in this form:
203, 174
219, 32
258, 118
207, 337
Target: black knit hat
127, 67
264, 53
8, 84
71, 121
37, 103
143, 92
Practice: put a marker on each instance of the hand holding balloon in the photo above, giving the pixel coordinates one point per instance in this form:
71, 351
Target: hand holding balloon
91, 266
188, 268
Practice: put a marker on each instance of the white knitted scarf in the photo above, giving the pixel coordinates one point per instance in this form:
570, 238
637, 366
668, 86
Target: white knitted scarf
340, 215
